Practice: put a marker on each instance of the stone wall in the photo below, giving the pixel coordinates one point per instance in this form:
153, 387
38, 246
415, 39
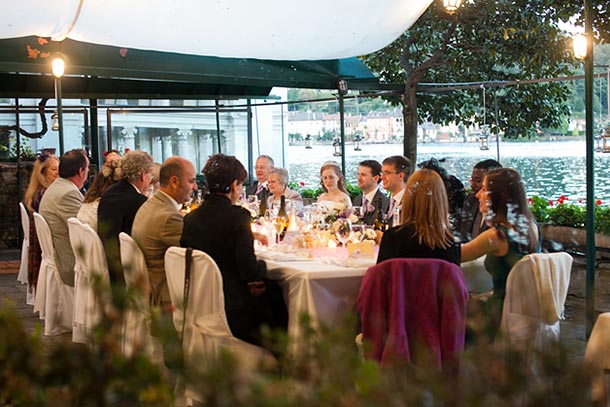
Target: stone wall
10, 223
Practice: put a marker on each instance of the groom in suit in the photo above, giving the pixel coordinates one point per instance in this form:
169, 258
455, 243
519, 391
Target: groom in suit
61, 201
369, 177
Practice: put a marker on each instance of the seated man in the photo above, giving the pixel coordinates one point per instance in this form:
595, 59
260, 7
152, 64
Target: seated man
61, 201
119, 204
223, 231
158, 223
369, 177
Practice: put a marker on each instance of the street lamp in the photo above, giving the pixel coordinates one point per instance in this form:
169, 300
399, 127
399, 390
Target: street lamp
580, 46
58, 66
451, 6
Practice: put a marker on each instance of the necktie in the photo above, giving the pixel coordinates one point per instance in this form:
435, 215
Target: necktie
365, 206
259, 188
391, 208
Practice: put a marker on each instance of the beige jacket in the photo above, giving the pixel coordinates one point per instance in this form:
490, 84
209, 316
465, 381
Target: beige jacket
61, 201
156, 227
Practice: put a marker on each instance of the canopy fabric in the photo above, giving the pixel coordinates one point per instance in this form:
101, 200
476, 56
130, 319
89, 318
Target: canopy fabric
98, 71
262, 29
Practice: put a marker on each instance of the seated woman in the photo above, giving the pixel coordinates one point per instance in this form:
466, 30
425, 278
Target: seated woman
222, 230
335, 197
278, 181
107, 176
45, 171
512, 234
424, 231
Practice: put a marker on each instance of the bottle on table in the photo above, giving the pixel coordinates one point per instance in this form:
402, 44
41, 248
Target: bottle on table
380, 222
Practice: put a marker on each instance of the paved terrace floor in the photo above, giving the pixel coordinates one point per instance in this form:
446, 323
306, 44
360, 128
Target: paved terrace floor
572, 328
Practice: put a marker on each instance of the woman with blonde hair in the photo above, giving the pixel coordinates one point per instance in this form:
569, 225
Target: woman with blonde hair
45, 171
335, 196
424, 231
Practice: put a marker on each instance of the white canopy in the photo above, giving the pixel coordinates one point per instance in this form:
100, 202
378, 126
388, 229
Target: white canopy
261, 29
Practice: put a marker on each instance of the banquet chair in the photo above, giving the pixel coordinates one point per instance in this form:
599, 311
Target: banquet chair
597, 360
536, 291
90, 264
136, 322
22, 277
414, 311
206, 330
54, 300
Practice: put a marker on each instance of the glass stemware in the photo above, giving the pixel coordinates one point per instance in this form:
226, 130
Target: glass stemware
343, 230
280, 223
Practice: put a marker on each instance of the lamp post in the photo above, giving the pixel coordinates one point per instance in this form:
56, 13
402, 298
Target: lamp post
585, 51
59, 66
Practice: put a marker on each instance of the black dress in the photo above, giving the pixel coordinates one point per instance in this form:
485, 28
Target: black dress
400, 241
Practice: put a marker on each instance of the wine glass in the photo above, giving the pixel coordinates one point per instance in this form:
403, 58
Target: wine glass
280, 223
343, 230
357, 211
358, 234
253, 204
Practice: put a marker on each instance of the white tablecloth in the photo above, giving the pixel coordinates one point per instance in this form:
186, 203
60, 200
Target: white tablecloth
320, 288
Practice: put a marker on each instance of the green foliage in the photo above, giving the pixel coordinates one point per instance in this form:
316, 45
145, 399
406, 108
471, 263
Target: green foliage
314, 192
484, 41
563, 213
26, 153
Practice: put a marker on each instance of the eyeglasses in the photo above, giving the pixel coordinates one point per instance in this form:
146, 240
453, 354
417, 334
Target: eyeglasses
390, 172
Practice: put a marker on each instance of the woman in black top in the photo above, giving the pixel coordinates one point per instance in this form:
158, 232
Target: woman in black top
425, 230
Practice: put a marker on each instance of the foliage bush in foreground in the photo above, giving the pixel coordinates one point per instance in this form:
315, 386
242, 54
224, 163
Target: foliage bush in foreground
331, 373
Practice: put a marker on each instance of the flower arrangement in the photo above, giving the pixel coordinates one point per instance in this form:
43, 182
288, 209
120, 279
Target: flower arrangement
564, 212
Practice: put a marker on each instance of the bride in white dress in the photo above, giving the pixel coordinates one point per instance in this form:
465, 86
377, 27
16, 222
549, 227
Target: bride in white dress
335, 196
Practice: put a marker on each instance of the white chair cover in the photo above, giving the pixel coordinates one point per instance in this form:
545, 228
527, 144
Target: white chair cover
22, 277
90, 263
54, 299
136, 323
536, 292
206, 330
597, 359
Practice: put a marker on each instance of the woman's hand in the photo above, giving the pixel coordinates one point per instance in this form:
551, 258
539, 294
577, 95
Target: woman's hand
257, 288
261, 238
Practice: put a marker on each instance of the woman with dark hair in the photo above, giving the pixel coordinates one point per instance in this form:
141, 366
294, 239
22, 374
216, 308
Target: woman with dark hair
110, 174
45, 171
223, 230
512, 234
424, 231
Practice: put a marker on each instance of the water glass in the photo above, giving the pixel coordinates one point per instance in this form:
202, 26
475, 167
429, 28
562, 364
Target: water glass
343, 230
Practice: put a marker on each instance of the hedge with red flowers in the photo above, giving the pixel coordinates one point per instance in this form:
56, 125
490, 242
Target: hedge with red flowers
564, 212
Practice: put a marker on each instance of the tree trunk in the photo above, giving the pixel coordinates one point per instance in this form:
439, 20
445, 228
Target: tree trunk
409, 113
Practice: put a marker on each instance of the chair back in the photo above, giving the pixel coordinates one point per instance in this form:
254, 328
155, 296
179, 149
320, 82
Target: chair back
136, 322
43, 232
90, 264
54, 300
206, 331
414, 311
205, 306
536, 291
22, 277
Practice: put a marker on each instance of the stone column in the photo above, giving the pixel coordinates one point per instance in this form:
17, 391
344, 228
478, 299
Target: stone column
129, 137
183, 136
157, 149
167, 146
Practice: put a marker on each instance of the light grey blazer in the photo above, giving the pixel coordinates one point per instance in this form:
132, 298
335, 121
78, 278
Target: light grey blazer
62, 200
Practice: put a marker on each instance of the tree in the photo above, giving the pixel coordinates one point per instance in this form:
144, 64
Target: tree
485, 41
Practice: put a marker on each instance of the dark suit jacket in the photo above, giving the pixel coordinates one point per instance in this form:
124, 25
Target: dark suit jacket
115, 214
469, 214
263, 196
223, 231
369, 216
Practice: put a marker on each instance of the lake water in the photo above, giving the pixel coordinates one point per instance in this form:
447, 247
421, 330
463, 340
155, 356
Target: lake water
549, 169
